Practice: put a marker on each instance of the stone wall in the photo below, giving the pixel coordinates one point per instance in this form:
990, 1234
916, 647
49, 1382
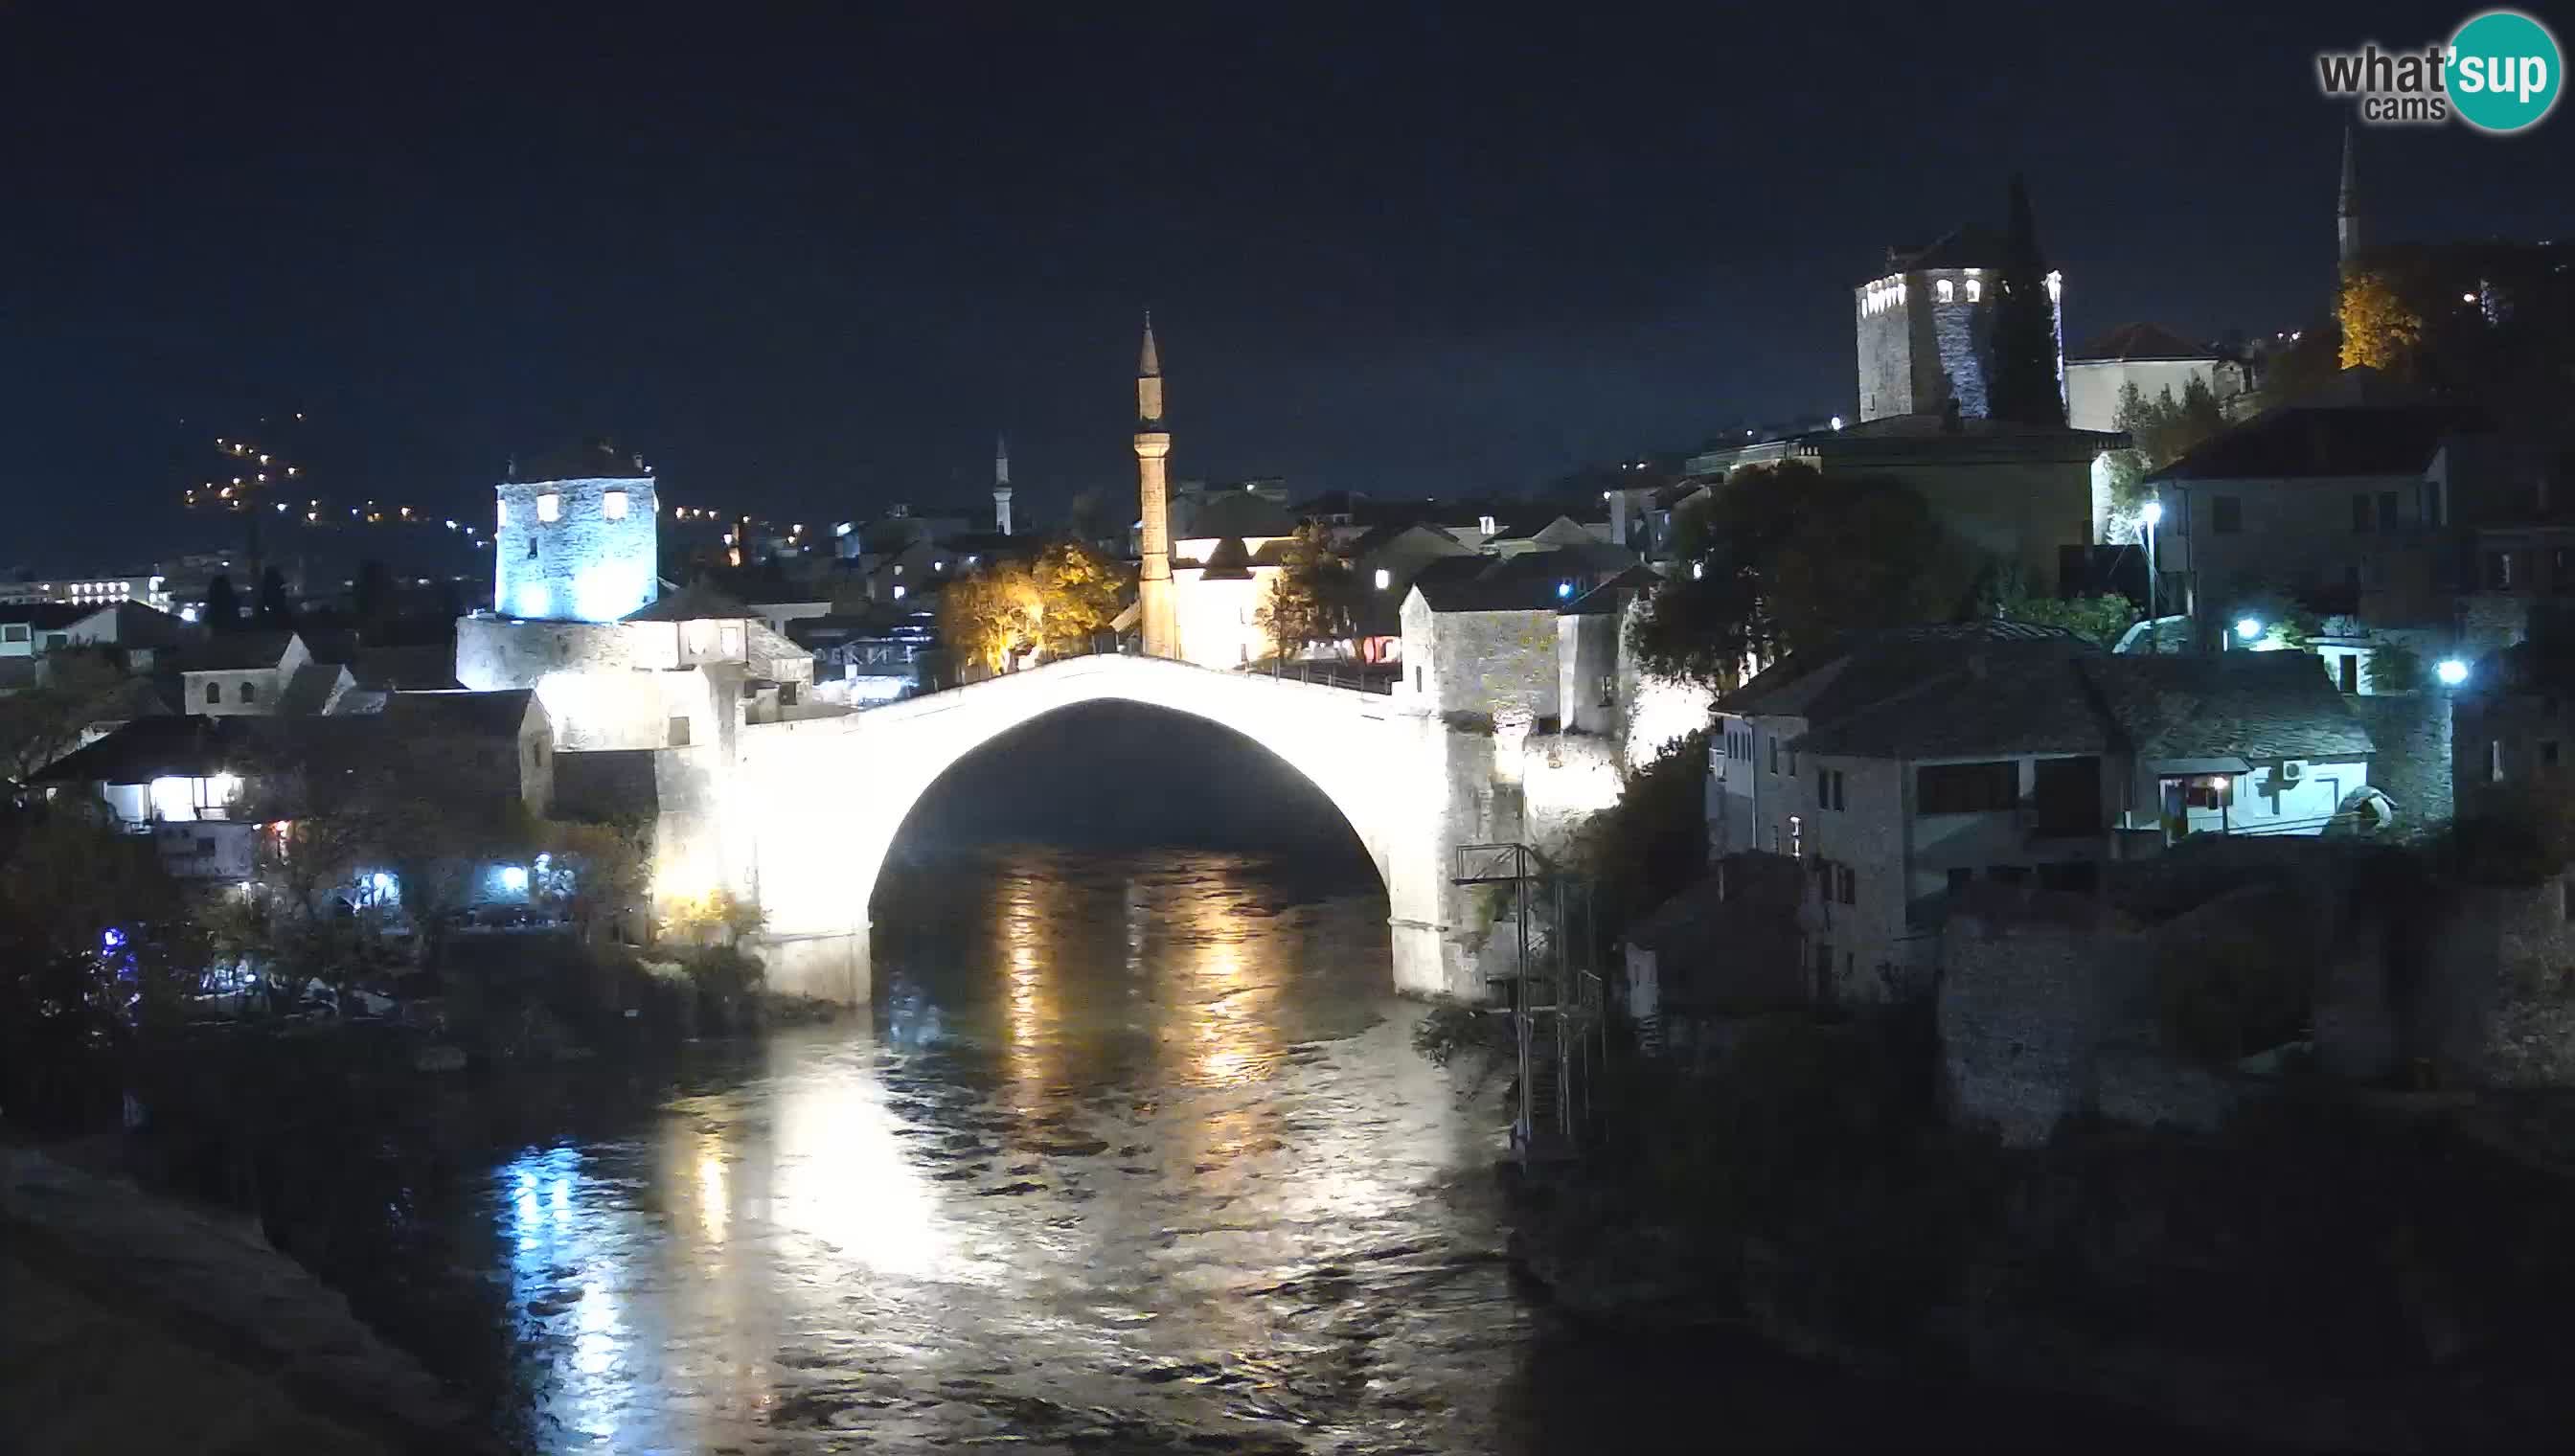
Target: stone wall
2412, 763
584, 564
2022, 1010
1485, 662
2498, 998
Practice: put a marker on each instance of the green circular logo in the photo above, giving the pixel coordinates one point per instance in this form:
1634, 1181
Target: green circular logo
2504, 71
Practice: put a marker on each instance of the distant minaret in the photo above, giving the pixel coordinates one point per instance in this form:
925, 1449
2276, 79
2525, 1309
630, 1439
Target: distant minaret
1159, 622
2347, 209
1002, 483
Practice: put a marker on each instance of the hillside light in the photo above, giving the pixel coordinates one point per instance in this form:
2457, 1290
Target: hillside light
2451, 672
2248, 628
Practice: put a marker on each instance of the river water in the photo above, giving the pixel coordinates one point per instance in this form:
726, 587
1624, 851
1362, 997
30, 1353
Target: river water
1132, 1155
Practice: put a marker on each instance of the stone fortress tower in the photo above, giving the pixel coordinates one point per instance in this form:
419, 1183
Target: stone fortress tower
1002, 483
577, 539
1926, 327
1157, 615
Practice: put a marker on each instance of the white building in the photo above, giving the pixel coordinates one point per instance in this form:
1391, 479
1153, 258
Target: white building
2156, 360
1904, 767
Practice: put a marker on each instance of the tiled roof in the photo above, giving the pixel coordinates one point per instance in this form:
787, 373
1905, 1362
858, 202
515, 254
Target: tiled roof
696, 601
1530, 582
2009, 699
1863, 667
497, 714
233, 652
2302, 441
428, 668
2140, 342
46, 615
1226, 562
1612, 595
308, 690
2253, 705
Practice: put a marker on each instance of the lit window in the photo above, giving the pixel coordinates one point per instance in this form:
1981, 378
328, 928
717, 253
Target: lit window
505, 512
1484, 523
611, 504
898, 593
1384, 578
1948, 291
550, 507
1975, 290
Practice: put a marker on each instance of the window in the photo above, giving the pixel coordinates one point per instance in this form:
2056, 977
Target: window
2349, 666
2225, 514
54, 639
1975, 290
505, 512
1792, 762
1963, 788
1384, 578
2498, 571
1796, 837
550, 507
1416, 680
611, 504
1775, 756
250, 692
213, 693
678, 732
1948, 291
1609, 690
2210, 793
1845, 884
14, 632
1484, 523
2387, 509
2494, 761
2361, 514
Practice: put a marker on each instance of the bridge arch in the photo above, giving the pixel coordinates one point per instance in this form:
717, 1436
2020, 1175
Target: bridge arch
813, 808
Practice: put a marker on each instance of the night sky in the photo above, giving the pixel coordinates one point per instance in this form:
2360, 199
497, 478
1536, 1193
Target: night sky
810, 262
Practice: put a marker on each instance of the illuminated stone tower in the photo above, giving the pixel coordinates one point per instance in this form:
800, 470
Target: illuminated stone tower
2347, 208
1002, 483
1155, 611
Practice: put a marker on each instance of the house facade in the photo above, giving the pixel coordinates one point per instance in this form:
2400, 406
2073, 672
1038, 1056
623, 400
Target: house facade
1903, 768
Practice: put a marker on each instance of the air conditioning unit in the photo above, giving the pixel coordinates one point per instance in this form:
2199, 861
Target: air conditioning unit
2292, 770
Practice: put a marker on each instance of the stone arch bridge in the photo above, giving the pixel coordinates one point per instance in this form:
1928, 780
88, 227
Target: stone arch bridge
799, 816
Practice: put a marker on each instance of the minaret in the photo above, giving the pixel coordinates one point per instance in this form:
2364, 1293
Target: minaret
1155, 612
1002, 483
2347, 209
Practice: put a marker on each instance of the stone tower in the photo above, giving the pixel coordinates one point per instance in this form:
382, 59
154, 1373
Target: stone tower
1926, 327
576, 540
1002, 483
1156, 613
2347, 208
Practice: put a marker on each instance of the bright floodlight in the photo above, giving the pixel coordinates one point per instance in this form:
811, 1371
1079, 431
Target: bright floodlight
2247, 627
2451, 672
2154, 513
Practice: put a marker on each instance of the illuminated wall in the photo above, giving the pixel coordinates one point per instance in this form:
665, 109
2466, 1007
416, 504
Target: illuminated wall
575, 551
810, 810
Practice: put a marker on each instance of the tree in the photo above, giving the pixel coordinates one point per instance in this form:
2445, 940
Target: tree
1080, 593
992, 614
1314, 599
1652, 843
2380, 330
222, 604
2164, 430
96, 947
2103, 619
273, 609
41, 723
1782, 557
595, 873
2027, 386
2392, 666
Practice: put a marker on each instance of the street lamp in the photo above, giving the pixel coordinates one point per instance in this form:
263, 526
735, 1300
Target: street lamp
2154, 514
2451, 672
2248, 628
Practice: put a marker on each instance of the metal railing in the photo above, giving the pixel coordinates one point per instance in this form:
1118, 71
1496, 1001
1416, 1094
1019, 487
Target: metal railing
1326, 675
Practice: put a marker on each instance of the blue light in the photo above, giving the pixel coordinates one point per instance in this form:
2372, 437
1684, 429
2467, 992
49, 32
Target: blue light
112, 940
514, 877
2451, 672
381, 882
1564, 590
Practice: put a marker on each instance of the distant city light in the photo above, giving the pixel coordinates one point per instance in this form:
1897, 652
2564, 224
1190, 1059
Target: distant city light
2451, 672
2248, 628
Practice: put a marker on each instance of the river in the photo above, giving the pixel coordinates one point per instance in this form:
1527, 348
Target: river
1132, 1155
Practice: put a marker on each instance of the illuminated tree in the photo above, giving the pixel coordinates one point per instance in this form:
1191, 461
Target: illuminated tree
2380, 330
1080, 593
1314, 599
991, 615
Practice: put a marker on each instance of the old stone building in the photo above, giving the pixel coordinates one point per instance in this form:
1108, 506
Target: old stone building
1926, 327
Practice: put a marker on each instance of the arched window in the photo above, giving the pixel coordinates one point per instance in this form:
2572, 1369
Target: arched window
213, 693
1948, 291
1975, 290
250, 692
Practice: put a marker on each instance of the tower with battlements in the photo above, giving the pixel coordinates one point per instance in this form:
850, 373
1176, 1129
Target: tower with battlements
1156, 616
1002, 485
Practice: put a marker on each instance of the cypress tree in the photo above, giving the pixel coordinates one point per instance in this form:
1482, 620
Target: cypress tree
2026, 388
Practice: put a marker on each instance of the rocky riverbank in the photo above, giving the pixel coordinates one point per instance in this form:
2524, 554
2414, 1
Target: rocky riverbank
136, 1324
2317, 1277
